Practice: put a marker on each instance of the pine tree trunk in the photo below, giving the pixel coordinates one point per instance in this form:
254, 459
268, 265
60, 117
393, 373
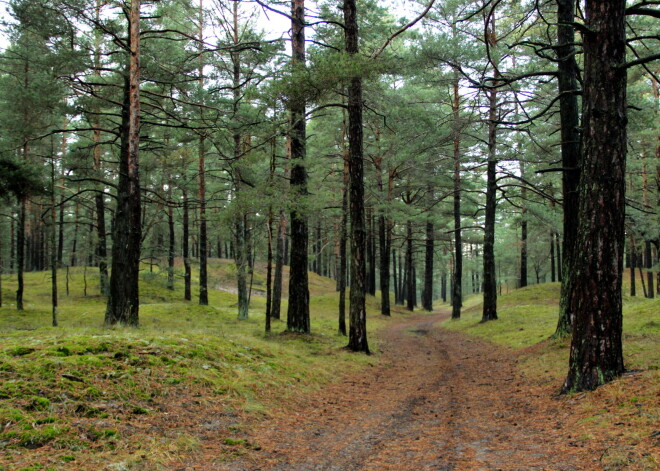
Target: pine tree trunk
648, 255
596, 355
633, 257
457, 275
203, 238
185, 238
443, 286
395, 278
427, 299
99, 197
410, 278
298, 311
553, 274
20, 254
276, 302
523, 249
53, 254
357, 338
123, 301
385, 240
570, 153
490, 284
269, 268
171, 245
343, 237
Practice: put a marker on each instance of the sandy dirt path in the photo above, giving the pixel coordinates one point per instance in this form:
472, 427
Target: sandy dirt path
438, 401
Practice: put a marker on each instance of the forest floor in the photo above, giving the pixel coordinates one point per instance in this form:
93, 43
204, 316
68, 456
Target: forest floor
437, 400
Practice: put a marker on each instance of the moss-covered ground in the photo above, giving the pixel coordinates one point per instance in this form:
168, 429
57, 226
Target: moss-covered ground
78, 393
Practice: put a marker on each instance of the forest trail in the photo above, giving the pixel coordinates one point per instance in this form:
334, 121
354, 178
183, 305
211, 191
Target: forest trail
438, 401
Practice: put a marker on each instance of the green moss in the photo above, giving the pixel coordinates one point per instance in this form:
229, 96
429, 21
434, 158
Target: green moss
180, 346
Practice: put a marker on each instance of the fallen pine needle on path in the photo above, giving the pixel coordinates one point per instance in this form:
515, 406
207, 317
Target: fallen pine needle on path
438, 400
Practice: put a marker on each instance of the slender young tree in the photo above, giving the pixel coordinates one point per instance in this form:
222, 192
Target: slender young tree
203, 237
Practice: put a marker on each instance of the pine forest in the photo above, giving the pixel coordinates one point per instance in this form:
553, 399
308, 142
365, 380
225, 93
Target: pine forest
293, 235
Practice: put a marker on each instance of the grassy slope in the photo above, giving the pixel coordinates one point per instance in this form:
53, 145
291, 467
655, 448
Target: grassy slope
78, 393
625, 413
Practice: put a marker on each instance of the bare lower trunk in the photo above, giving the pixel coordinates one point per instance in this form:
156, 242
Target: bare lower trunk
427, 300
123, 301
185, 238
277, 279
570, 153
298, 311
596, 355
357, 337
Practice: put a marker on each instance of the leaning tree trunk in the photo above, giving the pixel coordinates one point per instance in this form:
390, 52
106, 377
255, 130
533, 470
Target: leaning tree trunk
123, 300
570, 153
298, 310
596, 355
357, 337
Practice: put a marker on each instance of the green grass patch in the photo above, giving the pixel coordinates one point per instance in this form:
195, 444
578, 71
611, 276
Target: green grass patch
624, 412
81, 388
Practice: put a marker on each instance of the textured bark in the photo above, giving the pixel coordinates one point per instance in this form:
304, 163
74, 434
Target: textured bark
298, 311
123, 300
570, 152
596, 355
427, 298
357, 337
